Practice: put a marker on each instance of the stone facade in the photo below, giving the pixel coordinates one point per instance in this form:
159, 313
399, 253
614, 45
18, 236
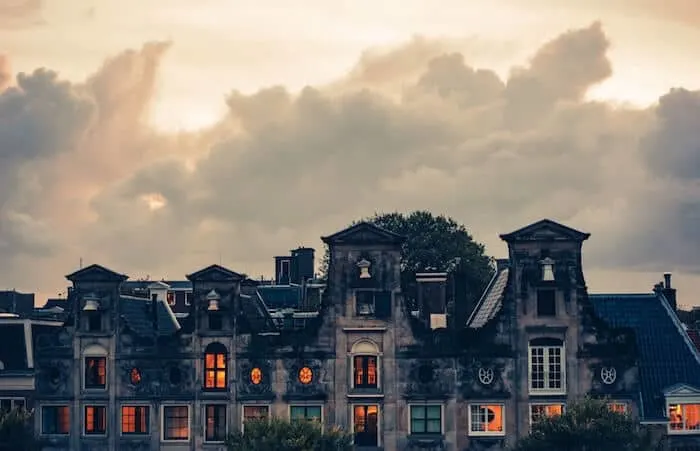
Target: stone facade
125, 373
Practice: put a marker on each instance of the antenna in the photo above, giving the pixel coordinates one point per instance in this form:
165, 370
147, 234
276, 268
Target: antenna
81, 263
220, 259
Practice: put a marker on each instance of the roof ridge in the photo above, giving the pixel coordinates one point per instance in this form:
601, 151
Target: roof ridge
679, 325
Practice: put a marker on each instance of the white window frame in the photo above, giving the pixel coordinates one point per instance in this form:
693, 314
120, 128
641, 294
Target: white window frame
426, 404
41, 419
188, 298
13, 400
369, 348
162, 423
686, 401
323, 416
379, 420
487, 433
94, 351
553, 403
83, 415
148, 423
206, 404
562, 366
269, 414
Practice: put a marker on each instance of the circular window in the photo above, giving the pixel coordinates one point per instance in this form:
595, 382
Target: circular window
175, 376
256, 376
608, 375
486, 375
135, 376
306, 375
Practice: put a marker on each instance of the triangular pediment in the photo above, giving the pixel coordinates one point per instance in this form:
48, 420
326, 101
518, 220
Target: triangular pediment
364, 233
96, 273
216, 273
545, 230
681, 390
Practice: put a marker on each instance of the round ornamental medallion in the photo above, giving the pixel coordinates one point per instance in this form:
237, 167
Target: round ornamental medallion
256, 376
135, 376
306, 375
486, 375
608, 375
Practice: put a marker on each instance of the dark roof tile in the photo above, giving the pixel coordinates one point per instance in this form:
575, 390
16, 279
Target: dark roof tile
281, 296
137, 315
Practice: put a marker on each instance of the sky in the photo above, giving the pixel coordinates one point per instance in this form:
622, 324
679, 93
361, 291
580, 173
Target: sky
156, 137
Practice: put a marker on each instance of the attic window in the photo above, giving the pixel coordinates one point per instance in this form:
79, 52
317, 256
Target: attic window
364, 265
547, 269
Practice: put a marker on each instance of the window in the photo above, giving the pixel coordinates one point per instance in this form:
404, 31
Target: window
95, 372
540, 411
135, 420
547, 366
55, 420
426, 419
188, 298
619, 407
256, 376
373, 303
215, 367
176, 423
546, 303
94, 321
255, 413
365, 369
284, 272
135, 376
7, 404
548, 270
306, 375
216, 321
365, 425
95, 420
305, 413
486, 419
171, 298
684, 418
215, 418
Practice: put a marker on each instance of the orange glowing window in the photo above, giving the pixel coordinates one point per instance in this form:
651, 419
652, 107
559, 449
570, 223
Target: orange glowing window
684, 418
95, 372
486, 419
134, 419
365, 368
540, 411
215, 367
306, 375
95, 420
256, 376
619, 407
135, 376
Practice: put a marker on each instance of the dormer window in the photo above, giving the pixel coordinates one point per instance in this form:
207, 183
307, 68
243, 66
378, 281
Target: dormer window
363, 266
547, 270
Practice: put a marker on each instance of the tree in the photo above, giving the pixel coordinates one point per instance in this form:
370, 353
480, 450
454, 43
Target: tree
17, 431
587, 425
435, 242
279, 435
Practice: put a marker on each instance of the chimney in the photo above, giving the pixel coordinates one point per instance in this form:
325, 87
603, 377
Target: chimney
501, 264
669, 292
302, 268
154, 312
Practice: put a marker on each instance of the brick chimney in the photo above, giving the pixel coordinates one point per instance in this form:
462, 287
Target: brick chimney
669, 292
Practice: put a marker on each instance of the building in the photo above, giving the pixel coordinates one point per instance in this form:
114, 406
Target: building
12, 301
399, 372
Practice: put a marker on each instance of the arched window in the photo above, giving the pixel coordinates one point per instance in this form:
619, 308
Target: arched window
365, 365
95, 367
215, 367
547, 362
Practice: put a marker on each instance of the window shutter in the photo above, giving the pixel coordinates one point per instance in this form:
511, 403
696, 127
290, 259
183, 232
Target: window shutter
382, 302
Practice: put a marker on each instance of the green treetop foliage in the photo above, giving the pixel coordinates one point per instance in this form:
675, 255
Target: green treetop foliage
279, 435
17, 431
587, 425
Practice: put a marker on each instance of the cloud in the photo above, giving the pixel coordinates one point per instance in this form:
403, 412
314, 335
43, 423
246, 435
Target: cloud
411, 127
20, 13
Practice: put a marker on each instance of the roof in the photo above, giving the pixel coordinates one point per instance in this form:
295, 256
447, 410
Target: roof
96, 273
215, 272
281, 296
13, 352
257, 314
137, 315
545, 230
491, 301
694, 336
364, 233
666, 356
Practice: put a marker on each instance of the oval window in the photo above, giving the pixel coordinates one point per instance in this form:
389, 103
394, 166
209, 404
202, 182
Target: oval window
256, 376
135, 376
306, 375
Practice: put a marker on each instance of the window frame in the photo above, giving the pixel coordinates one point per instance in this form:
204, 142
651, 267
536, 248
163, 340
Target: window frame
266, 406
379, 419
205, 416
188, 298
148, 420
680, 402
13, 401
546, 353
553, 403
306, 406
163, 428
104, 433
68, 408
500, 433
94, 352
425, 406
625, 410
170, 298
216, 346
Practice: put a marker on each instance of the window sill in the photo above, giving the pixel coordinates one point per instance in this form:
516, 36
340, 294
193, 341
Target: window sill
547, 393
682, 432
487, 434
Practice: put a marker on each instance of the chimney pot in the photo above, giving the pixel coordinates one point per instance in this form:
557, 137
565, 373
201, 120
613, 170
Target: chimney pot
667, 280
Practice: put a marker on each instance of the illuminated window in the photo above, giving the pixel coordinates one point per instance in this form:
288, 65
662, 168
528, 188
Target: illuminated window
365, 425
171, 298
426, 419
55, 420
176, 423
95, 420
306, 413
255, 413
540, 411
216, 423
547, 366
95, 372
215, 367
306, 375
619, 407
684, 418
256, 376
486, 419
365, 371
135, 376
135, 420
